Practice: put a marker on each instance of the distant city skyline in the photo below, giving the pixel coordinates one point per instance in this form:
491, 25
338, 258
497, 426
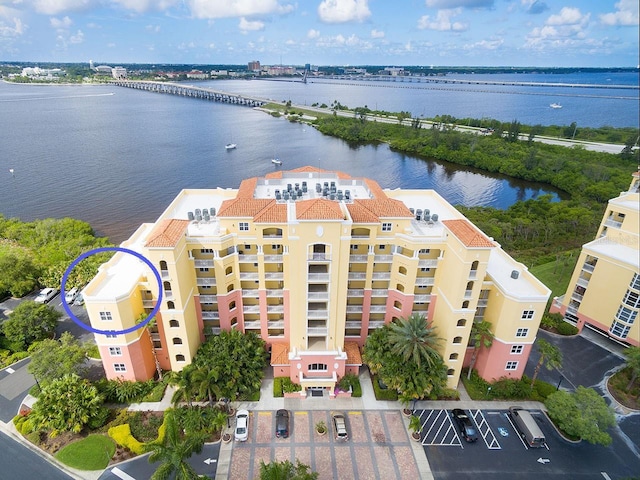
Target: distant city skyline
585, 33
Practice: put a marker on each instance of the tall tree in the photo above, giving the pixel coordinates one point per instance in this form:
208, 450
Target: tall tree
186, 389
550, 357
286, 470
30, 322
633, 363
205, 382
414, 340
481, 337
18, 273
51, 359
174, 451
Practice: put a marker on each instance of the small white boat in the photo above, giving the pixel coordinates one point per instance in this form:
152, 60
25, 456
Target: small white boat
276, 161
230, 146
555, 105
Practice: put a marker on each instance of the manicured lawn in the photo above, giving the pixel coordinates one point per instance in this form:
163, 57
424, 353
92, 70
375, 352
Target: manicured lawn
555, 275
91, 453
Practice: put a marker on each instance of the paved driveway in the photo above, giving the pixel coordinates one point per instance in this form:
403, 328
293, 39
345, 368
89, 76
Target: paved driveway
378, 447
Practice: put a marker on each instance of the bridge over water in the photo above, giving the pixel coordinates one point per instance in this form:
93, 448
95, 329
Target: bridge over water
193, 92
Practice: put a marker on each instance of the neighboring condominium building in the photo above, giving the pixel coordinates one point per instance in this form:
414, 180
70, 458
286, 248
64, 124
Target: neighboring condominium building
604, 291
312, 261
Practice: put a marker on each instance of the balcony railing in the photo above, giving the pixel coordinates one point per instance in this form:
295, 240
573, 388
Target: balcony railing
473, 274
248, 258
428, 263
358, 258
252, 325
379, 292
165, 274
357, 276
583, 282
381, 275
609, 222
319, 277
468, 293
210, 315
318, 295
250, 293
208, 299
149, 303
203, 263
275, 308
587, 267
354, 308
317, 314
274, 276
355, 292
206, 282
376, 323
353, 324
383, 258
317, 330
577, 297
275, 324
378, 308
422, 298
275, 293
168, 295
275, 258
425, 281
251, 309
249, 276
319, 257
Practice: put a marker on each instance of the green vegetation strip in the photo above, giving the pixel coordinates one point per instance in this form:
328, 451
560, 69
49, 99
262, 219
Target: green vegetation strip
90, 453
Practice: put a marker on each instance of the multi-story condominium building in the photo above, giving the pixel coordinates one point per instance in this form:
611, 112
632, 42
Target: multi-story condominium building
312, 261
604, 291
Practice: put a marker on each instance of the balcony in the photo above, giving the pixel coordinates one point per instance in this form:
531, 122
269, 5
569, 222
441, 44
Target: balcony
316, 331
319, 257
378, 309
317, 314
428, 263
583, 282
242, 258
274, 276
203, 263
376, 324
357, 276
168, 295
275, 324
358, 258
206, 282
383, 259
250, 293
468, 294
252, 325
353, 324
355, 292
149, 303
354, 308
319, 277
275, 308
473, 274
249, 276
273, 258
275, 293
318, 296
208, 299
421, 298
577, 297
379, 292
609, 222
587, 267
210, 315
483, 302
381, 276
251, 309
165, 274
425, 281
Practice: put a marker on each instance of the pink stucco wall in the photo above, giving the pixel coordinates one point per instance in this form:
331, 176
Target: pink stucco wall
137, 358
492, 361
306, 360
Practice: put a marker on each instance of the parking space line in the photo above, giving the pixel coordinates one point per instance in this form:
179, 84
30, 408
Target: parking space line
444, 434
517, 431
489, 438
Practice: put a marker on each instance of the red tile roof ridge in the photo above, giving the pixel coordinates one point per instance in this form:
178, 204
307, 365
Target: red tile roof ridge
167, 233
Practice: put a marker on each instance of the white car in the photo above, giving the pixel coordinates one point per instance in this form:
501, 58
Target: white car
71, 295
46, 295
242, 425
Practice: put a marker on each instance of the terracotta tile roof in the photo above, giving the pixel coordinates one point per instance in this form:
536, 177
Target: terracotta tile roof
467, 233
243, 207
371, 210
272, 213
353, 353
247, 187
375, 189
318, 209
167, 233
279, 354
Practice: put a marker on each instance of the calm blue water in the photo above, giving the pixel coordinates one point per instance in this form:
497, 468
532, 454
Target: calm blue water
116, 157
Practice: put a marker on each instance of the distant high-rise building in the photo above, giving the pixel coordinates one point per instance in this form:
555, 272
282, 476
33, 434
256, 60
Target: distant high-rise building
604, 290
254, 66
91, 65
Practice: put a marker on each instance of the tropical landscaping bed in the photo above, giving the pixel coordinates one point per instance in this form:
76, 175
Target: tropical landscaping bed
624, 389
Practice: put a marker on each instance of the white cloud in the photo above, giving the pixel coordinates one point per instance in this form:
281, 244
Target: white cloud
566, 29
186, 46
63, 23
535, 7
77, 38
341, 11
443, 21
236, 8
567, 16
141, 6
313, 34
340, 40
13, 27
485, 45
377, 33
250, 26
447, 4
152, 28
626, 14
54, 7
290, 42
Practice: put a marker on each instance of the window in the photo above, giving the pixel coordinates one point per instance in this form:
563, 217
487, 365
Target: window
516, 349
354, 248
461, 323
228, 271
105, 316
453, 356
157, 344
173, 323
635, 282
171, 305
522, 332
244, 226
203, 269
119, 367
620, 330
177, 341
425, 269
318, 367
115, 351
451, 372
626, 315
527, 314
206, 250
386, 227
457, 340
511, 366
247, 247
232, 305
179, 358
382, 247
632, 299
424, 250
111, 335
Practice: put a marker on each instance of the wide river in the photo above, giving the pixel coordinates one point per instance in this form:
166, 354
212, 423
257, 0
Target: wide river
116, 157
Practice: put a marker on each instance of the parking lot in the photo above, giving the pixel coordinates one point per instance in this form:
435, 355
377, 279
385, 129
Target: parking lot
378, 447
500, 450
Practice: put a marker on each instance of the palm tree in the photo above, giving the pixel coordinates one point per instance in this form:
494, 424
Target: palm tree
205, 382
285, 470
481, 337
174, 451
183, 380
414, 340
550, 356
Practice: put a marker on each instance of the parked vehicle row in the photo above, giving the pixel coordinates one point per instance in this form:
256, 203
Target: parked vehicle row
72, 296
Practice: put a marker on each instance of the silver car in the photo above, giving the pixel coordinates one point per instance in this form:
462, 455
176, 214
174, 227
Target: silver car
339, 426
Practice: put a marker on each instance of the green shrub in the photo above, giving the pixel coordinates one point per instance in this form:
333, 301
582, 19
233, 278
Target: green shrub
27, 426
352, 381
449, 394
99, 419
565, 328
543, 389
289, 387
386, 394
549, 321
145, 431
34, 437
156, 394
277, 387
92, 351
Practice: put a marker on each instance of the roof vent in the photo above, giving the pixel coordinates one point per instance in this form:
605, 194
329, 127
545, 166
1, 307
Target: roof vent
190, 216
434, 217
514, 274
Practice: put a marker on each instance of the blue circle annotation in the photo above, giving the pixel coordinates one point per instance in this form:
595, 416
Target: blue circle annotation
88, 253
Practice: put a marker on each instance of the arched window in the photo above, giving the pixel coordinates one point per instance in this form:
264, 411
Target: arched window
163, 265
453, 356
177, 341
465, 304
398, 305
230, 288
469, 285
173, 323
457, 340
179, 358
474, 266
232, 304
167, 286
171, 305
461, 323
228, 271
451, 372
402, 270
399, 287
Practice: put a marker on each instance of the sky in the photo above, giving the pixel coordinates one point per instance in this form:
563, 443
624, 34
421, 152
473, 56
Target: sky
542, 33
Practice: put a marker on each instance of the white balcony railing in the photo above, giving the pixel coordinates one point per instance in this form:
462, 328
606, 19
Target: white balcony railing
275, 308
208, 299
274, 276
357, 276
251, 309
383, 258
379, 292
248, 258
317, 314
378, 308
318, 295
203, 263
275, 293
210, 315
319, 277
317, 330
355, 292
206, 282
381, 275
428, 263
421, 298
609, 222
354, 308
252, 325
587, 267
358, 258
273, 258
249, 276
320, 257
